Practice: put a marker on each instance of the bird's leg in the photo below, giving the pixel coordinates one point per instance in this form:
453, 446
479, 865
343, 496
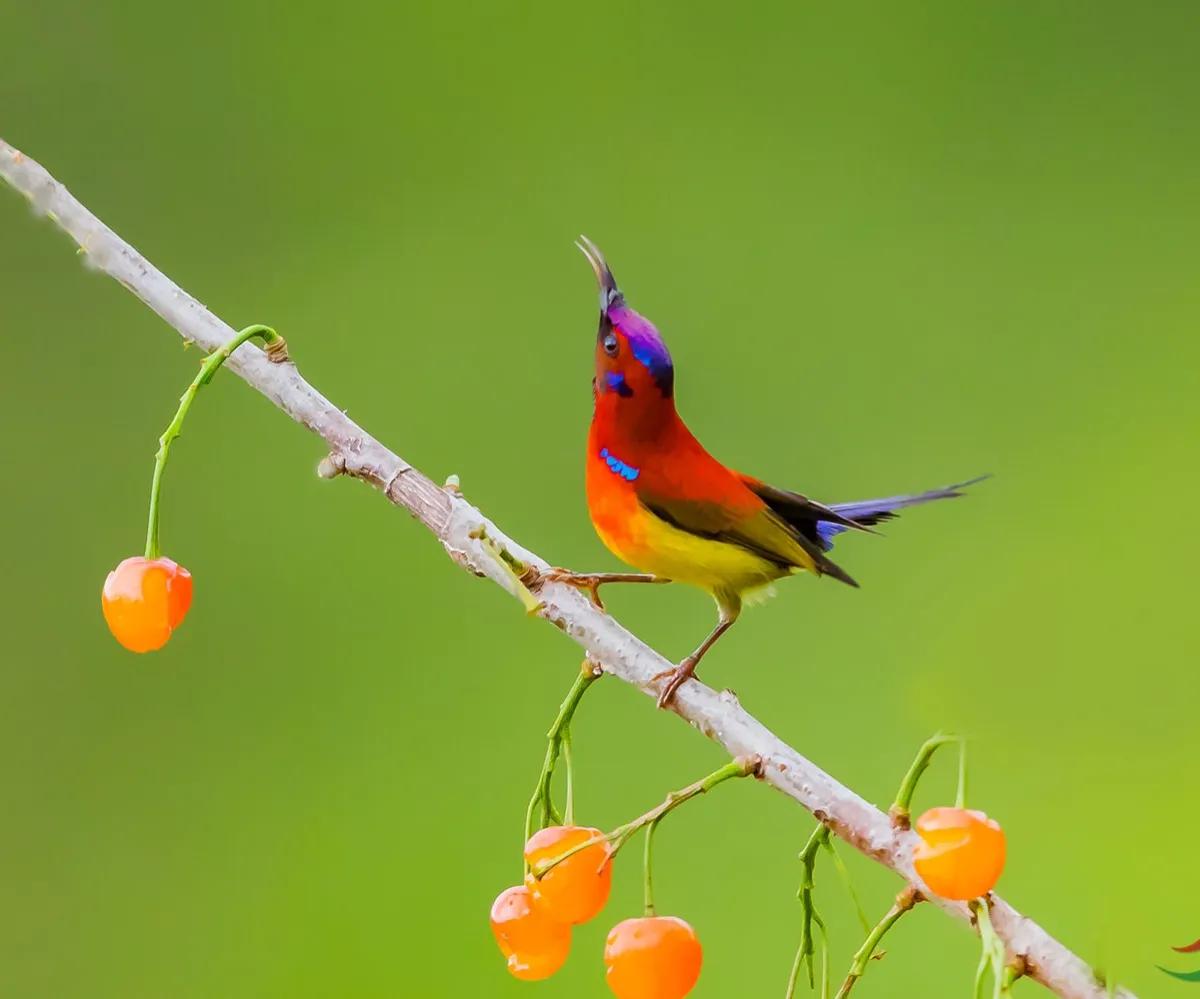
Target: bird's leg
687, 669
592, 581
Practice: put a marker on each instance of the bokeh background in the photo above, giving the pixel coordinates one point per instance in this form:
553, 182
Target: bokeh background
890, 247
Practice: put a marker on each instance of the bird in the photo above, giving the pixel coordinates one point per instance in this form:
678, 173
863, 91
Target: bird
661, 503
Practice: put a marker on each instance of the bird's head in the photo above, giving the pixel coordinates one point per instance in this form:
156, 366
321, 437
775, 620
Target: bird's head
631, 359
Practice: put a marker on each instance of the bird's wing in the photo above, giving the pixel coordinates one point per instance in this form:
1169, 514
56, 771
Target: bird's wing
749, 525
799, 510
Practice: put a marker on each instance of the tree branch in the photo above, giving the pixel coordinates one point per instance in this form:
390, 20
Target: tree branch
479, 546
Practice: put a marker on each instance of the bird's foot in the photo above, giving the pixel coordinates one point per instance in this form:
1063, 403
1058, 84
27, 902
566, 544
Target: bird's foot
675, 678
590, 582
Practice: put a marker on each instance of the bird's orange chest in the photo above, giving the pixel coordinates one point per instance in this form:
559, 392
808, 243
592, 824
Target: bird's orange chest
612, 497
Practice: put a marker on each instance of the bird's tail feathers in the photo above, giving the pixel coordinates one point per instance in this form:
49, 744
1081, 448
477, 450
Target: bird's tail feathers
869, 512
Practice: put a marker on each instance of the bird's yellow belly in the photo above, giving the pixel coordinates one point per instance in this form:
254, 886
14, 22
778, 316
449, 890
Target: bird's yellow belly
650, 544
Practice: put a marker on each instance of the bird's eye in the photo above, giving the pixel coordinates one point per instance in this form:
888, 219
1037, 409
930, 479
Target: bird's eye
610, 344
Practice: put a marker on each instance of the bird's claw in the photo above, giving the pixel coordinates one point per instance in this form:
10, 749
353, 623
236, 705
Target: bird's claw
589, 583
675, 678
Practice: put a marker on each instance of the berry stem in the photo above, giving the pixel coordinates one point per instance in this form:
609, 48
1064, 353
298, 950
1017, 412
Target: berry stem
569, 811
899, 811
558, 740
276, 350
858, 966
647, 877
743, 766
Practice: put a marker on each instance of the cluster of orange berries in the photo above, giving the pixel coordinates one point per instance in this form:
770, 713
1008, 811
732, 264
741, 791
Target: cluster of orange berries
649, 957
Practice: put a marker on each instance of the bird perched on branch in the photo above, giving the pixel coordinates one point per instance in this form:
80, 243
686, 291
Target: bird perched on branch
663, 504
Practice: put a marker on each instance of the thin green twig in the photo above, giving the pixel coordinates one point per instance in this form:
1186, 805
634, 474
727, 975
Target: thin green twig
569, 762
647, 868
844, 874
276, 350
992, 953
858, 966
511, 566
743, 766
808, 914
542, 800
899, 811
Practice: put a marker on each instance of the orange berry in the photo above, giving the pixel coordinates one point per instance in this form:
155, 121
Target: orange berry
652, 957
534, 944
577, 889
960, 853
144, 600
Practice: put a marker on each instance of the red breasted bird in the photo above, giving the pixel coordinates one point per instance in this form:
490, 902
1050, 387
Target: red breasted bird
663, 504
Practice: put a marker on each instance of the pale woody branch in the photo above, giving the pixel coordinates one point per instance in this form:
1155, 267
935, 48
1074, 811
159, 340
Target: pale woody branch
482, 548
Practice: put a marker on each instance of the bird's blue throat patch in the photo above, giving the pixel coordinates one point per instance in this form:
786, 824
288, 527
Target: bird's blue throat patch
616, 381
618, 467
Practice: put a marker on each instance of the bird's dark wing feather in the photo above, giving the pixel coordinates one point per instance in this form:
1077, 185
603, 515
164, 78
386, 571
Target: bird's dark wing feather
799, 510
762, 532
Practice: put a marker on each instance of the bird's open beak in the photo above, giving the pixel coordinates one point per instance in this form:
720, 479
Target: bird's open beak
609, 292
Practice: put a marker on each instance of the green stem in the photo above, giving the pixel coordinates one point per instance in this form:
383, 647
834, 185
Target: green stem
985, 962
794, 975
844, 874
511, 566
569, 811
900, 807
556, 738
809, 914
824, 956
276, 348
798, 963
1012, 974
647, 866
992, 953
743, 766
858, 966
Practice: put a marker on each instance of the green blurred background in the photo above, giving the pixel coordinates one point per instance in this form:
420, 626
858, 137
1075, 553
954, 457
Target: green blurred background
890, 247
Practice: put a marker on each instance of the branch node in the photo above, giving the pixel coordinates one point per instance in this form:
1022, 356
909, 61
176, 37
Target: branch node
387, 489
1018, 967
276, 350
530, 576
331, 466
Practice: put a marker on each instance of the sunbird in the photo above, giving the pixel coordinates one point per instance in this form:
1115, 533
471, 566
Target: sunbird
661, 503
